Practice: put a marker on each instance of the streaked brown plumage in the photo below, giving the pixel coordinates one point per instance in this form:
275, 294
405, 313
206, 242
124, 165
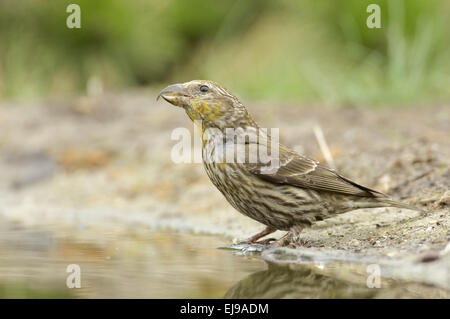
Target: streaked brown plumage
297, 193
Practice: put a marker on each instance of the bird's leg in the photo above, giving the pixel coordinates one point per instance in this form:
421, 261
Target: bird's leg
266, 241
283, 241
296, 241
268, 230
291, 238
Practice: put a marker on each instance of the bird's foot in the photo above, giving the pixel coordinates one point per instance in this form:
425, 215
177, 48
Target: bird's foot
254, 238
291, 239
299, 243
265, 241
283, 241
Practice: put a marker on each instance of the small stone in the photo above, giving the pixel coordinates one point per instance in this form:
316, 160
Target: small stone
429, 257
354, 242
392, 253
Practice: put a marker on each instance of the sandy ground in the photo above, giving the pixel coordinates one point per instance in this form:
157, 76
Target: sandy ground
99, 163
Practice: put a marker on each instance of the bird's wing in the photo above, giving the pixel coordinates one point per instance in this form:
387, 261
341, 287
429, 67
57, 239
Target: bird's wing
298, 170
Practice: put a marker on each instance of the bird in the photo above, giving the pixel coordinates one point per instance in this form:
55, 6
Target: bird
287, 191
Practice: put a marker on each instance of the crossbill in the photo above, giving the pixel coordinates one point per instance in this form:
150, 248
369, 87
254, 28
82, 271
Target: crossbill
284, 190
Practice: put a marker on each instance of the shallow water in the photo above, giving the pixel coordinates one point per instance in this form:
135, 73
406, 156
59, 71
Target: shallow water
159, 264
33, 263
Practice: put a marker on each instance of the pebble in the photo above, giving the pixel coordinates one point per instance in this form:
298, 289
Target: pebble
355, 242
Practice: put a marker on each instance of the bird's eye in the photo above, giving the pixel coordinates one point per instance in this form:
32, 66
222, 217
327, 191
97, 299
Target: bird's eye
204, 88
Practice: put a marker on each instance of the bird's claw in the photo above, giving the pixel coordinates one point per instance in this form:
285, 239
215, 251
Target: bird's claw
259, 242
265, 241
291, 241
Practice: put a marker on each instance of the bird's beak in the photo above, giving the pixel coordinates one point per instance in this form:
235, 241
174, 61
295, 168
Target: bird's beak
175, 94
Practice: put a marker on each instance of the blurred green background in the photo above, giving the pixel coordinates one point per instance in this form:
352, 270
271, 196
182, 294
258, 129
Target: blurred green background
273, 50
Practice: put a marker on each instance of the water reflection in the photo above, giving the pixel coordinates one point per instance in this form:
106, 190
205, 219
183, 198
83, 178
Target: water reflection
140, 263
337, 280
116, 264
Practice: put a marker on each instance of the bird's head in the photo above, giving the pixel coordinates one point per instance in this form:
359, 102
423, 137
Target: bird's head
208, 102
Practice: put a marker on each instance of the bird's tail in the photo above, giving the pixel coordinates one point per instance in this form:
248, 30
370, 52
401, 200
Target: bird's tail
393, 203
